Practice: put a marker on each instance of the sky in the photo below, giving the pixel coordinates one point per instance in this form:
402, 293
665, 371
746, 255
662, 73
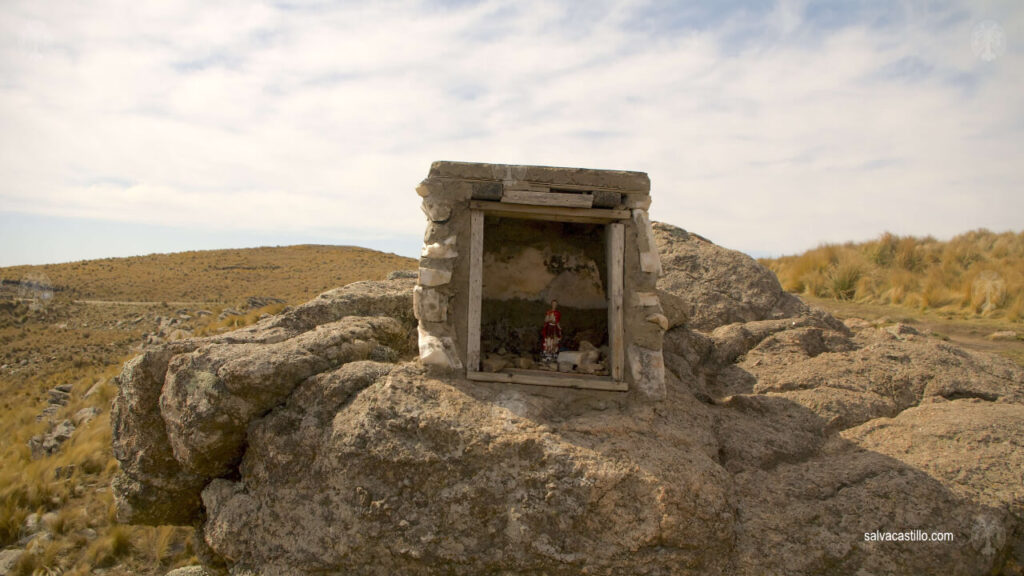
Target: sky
138, 127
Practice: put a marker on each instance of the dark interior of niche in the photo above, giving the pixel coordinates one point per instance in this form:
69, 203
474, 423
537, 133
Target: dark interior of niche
513, 326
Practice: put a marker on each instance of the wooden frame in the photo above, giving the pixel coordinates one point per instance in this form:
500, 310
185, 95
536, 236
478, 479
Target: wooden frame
615, 253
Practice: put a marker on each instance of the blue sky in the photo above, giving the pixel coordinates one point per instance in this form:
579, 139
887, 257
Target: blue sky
132, 127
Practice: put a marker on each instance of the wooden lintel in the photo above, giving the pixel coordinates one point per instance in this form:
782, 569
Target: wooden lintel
537, 378
547, 199
557, 213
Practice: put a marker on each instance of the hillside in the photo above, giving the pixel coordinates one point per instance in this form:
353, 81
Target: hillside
66, 330
291, 273
974, 275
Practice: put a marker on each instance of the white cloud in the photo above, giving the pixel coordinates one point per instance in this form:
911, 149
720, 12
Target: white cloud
766, 131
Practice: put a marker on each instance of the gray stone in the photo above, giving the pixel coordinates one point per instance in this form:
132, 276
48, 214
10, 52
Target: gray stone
489, 191
437, 210
434, 277
443, 249
549, 175
606, 199
648, 371
9, 560
189, 571
430, 305
85, 415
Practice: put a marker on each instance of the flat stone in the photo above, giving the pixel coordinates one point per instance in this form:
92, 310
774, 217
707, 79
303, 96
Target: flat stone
9, 560
429, 305
606, 199
493, 364
436, 210
489, 191
639, 201
85, 415
659, 319
189, 571
549, 175
648, 370
444, 249
434, 277
1003, 336
438, 350
645, 299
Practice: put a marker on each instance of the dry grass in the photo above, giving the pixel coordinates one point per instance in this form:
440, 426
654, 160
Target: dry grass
292, 273
67, 342
977, 274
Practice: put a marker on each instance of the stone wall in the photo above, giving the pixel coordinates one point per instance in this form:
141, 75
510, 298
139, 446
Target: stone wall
592, 200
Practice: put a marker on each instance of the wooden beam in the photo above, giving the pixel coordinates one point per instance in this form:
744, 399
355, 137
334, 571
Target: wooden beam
616, 247
476, 272
538, 378
555, 213
547, 199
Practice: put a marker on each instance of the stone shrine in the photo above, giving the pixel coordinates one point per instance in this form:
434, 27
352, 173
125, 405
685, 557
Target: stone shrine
505, 243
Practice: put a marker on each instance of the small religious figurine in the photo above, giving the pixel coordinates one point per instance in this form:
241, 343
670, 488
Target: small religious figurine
551, 334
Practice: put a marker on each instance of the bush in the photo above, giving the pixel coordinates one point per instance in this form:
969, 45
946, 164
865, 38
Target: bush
977, 273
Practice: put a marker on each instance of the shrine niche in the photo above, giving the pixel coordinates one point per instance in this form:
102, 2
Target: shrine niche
540, 275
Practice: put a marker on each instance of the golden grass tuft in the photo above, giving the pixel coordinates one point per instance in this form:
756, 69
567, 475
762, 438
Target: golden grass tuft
977, 274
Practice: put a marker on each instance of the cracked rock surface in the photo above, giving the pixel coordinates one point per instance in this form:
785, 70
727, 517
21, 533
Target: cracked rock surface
313, 443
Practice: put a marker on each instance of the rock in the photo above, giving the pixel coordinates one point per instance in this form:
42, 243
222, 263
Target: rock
430, 305
85, 415
94, 389
899, 330
189, 571
856, 323
153, 486
780, 439
9, 560
58, 397
493, 363
46, 444
403, 274
1003, 336
434, 277
211, 395
63, 472
718, 285
660, 319
441, 250
65, 388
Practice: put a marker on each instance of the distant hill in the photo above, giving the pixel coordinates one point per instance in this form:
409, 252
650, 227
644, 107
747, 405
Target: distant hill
292, 273
979, 273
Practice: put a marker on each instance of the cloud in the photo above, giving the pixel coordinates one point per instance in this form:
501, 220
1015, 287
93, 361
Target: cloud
768, 128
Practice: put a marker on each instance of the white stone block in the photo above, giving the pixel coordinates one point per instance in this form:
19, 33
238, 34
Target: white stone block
438, 350
429, 305
434, 277
648, 370
645, 299
659, 319
443, 249
436, 210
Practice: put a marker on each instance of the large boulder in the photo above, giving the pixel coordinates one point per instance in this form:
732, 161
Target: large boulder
717, 286
312, 443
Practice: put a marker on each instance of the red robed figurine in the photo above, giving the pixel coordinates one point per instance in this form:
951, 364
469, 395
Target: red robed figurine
551, 334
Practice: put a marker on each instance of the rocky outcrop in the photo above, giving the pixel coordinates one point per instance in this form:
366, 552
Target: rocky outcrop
784, 443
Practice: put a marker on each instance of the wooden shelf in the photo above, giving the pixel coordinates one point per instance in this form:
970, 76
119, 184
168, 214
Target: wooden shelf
542, 378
